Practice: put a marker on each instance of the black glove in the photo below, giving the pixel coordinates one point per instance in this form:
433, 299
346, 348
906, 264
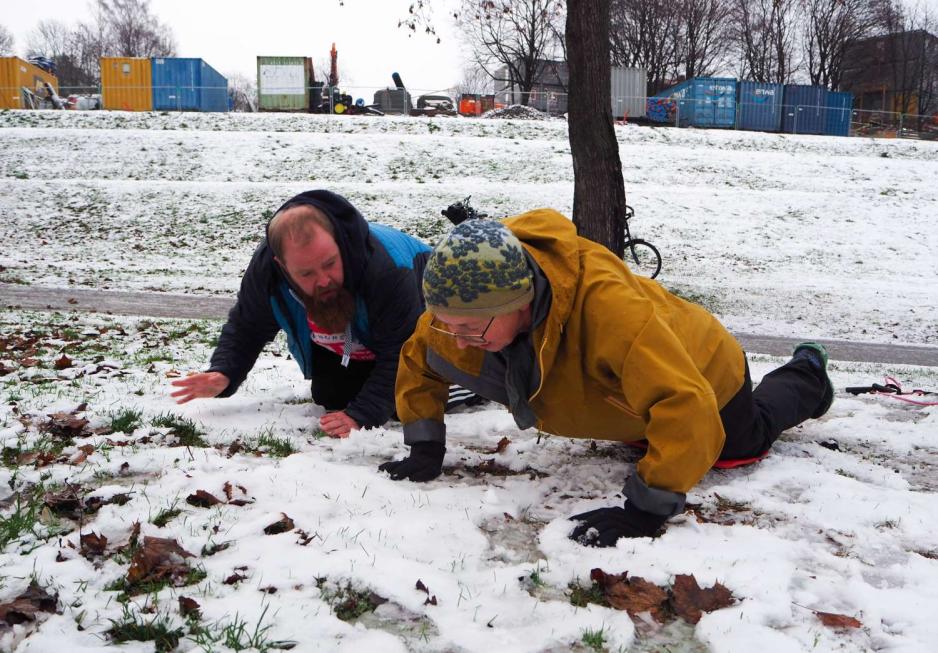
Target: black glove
424, 463
613, 523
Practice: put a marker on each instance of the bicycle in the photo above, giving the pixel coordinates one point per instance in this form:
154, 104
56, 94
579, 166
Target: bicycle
459, 212
641, 256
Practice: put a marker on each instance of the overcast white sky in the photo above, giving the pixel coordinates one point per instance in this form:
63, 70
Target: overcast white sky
230, 34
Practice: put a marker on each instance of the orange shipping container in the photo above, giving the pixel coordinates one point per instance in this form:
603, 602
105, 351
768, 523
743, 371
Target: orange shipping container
126, 83
15, 74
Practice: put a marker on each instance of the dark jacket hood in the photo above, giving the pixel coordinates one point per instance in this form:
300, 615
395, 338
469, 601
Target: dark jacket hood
351, 230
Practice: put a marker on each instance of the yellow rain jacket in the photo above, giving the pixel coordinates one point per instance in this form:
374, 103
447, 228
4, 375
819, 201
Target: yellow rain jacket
620, 358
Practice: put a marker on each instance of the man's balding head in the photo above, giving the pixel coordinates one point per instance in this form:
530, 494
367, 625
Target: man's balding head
297, 224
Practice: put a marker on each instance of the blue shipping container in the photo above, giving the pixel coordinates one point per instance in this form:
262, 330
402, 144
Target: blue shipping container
759, 106
705, 102
839, 111
804, 110
184, 84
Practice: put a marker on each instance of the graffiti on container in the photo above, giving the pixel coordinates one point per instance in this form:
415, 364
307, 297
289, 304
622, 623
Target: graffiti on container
660, 109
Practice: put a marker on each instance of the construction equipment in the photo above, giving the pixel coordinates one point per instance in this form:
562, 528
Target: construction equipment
394, 100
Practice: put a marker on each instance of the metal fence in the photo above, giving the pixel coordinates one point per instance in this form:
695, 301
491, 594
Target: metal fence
663, 111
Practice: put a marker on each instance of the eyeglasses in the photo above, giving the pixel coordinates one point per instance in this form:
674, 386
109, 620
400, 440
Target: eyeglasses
471, 338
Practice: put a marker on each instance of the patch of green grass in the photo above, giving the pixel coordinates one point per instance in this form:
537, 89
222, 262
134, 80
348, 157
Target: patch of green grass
535, 577
346, 602
126, 420
236, 636
185, 430
583, 596
166, 515
134, 627
23, 518
157, 357
276, 447
594, 639
127, 589
10, 455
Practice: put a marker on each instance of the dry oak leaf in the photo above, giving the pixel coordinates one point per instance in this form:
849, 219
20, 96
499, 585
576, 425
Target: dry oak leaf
158, 558
689, 601
832, 620
66, 502
189, 607
25, 606
634, 595
202, 499
283, 525
65, 425
501, 446
92, 544
234, 579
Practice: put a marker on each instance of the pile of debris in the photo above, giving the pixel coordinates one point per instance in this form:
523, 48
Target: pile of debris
516, 112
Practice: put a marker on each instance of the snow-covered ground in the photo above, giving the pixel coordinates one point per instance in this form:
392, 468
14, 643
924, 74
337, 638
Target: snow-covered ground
781, 235
778, 234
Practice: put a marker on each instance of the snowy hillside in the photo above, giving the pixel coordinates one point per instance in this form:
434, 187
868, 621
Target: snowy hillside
271, 537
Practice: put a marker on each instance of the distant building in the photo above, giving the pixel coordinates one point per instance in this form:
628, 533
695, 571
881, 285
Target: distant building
894, 73
549, 92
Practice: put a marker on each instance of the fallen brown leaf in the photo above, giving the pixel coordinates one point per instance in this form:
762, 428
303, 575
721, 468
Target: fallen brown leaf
157, 559
92, 544
501, 446
66, 502
80, 456
689, 601
234, 579
202, 499
634, 595
24, 607
65, 425
832, 620
283, 525
189, 607
62, 363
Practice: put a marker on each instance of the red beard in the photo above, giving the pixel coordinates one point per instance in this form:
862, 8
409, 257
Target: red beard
333, 313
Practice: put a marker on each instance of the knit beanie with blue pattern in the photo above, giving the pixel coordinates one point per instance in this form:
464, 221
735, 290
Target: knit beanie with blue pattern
478, 270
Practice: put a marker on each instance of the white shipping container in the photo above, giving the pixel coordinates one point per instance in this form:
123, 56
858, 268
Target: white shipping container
629, 88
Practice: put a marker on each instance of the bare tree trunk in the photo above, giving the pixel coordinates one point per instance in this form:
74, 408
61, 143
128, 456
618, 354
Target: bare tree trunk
598, 189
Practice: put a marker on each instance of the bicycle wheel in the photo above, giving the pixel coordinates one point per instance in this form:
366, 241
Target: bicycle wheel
642, 258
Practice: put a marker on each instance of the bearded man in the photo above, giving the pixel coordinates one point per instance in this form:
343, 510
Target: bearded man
347, 294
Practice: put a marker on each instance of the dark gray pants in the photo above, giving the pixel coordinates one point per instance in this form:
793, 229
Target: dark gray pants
787, 396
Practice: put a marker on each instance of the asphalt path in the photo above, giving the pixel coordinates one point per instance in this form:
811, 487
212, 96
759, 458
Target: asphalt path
154, 304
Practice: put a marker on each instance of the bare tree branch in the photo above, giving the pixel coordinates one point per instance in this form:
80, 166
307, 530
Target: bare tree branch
516, 36
6, 42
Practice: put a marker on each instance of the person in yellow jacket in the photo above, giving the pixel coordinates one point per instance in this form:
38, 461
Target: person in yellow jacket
526, 313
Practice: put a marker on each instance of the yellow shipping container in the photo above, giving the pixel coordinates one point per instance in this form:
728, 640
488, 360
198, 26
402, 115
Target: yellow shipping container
126, 83
15, 74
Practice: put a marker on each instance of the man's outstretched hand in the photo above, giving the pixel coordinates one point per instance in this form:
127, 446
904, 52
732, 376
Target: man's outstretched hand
337, 424
424, 463
604, 526
199, 386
